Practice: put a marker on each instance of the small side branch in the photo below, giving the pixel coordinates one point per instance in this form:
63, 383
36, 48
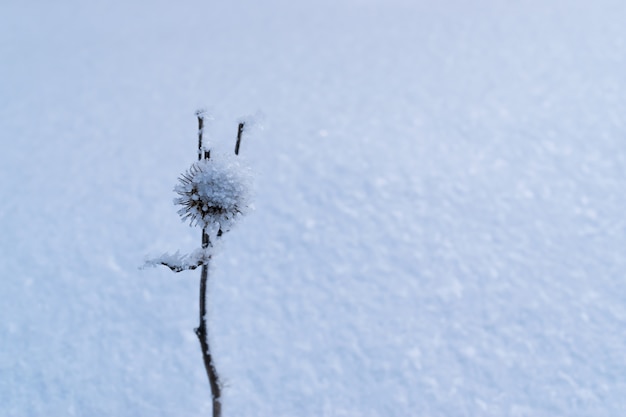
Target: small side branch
178, 262
200, 115
239, 132
178, 268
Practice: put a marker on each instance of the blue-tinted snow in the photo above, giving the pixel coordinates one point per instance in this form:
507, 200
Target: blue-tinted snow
439, 225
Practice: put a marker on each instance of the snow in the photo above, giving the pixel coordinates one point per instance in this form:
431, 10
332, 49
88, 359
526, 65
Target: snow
179, 262
439, 196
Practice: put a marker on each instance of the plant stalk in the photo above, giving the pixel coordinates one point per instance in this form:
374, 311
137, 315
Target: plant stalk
202, 333
201, 330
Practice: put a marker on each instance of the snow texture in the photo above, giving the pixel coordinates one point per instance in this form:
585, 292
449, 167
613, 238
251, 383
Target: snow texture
439, 189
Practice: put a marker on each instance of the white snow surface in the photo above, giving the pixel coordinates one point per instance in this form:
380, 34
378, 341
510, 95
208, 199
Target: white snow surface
439, 225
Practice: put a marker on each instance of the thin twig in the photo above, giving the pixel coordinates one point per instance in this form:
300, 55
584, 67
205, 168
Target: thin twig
201, 330
200, 115
202, 333
179, 268
239, 132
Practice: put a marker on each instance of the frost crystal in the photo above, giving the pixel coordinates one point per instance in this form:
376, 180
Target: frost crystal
213, 193
178, 262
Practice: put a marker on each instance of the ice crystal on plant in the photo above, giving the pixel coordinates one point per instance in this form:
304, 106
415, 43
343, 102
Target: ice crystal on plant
178, 262
212, 193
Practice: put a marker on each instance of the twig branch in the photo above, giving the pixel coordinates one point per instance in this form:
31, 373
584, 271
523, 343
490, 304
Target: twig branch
239, 132
200, 115
217, 213
201, 330
179, 268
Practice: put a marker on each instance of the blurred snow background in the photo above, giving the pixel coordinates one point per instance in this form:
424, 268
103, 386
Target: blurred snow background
438, 229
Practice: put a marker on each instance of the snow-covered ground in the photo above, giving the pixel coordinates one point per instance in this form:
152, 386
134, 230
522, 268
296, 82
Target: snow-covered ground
439, 226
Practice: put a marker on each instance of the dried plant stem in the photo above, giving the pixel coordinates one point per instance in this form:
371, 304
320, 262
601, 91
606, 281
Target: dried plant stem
202, 333
201, 330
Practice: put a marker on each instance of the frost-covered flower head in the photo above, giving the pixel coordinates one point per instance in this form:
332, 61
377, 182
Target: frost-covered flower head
213, 193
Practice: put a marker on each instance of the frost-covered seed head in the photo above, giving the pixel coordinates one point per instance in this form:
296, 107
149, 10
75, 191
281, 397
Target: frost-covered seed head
212, 193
